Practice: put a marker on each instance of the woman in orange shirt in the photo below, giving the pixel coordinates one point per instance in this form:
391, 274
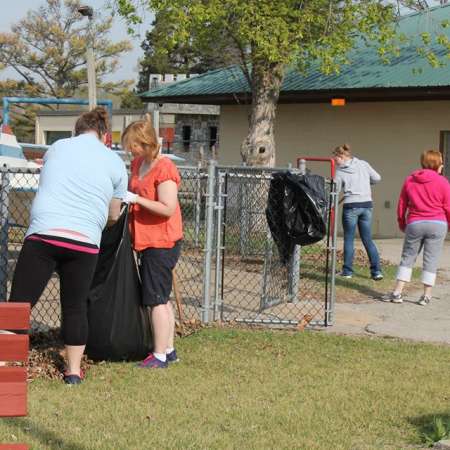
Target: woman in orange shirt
157, 230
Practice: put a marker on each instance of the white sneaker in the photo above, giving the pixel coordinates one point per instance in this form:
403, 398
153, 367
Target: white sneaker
392, 297
345, 275
424, 300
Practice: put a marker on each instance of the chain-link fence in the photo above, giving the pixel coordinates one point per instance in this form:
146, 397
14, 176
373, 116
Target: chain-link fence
229, 269
18, 188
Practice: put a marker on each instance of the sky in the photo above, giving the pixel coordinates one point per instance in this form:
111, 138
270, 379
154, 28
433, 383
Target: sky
128, 69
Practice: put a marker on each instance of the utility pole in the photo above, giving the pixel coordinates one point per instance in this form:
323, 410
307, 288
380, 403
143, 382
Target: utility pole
88, 12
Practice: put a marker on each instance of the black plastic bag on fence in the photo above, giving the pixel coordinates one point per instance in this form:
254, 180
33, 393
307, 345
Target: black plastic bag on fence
296, 211
118, 323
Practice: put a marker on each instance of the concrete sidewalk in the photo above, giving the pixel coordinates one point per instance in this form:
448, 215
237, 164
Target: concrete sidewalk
407, 320
391, 250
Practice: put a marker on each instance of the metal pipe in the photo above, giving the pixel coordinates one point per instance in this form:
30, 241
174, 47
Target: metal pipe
329, 160
332, 303
92, 82
50, 101
219, 244
264, 300
224, 243
198, 204
208, 241
5, 111
302, 166
4, 226
88, 12
294, 275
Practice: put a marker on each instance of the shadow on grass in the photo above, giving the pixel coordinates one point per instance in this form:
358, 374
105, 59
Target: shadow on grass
351, 284
45, 437
361, 288
432, 427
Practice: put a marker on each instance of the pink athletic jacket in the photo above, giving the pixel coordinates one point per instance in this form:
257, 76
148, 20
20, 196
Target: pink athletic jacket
425, 195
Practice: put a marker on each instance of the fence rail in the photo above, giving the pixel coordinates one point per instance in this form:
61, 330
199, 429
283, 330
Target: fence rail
229, 269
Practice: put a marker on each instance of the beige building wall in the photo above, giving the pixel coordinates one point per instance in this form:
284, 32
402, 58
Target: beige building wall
389, 135
65, 122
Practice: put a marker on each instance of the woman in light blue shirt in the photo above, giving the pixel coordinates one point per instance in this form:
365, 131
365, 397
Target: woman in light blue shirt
81, 186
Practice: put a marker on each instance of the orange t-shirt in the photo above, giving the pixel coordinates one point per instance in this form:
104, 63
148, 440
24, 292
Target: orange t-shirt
150, 230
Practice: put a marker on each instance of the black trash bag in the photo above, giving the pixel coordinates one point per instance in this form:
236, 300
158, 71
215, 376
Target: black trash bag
296, 211
278, 195
118, 323
306, 209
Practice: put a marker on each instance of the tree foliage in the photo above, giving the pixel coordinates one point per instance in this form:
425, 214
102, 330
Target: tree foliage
182, 57
129, 100
47, 49
271, 35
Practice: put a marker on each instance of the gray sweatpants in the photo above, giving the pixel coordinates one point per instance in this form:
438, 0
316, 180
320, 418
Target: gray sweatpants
429, 236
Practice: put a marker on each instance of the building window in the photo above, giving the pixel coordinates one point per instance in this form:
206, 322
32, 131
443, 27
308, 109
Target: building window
445, 150
212, 137
186, 133
52, 136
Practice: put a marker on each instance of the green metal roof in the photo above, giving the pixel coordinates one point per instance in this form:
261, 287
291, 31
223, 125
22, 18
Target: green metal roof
366, 70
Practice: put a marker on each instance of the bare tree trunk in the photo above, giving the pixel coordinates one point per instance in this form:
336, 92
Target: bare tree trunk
258, 148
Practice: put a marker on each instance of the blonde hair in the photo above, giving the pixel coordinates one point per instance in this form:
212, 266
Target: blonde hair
431, 159
143, 133
343, 150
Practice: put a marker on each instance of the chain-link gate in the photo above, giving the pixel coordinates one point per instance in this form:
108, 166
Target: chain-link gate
190, 269
229, 268
250, 283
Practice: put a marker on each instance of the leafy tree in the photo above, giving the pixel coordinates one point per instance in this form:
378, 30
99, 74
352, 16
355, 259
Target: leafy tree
48, 48
272, 35
129, 100
183, 57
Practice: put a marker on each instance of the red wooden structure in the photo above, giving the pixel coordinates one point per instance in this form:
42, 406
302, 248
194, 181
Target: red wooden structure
13, 380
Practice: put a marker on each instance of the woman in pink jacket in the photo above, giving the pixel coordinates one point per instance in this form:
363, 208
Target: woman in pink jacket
423, 213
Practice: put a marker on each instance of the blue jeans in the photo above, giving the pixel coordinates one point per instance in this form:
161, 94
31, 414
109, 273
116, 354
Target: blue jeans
351, 217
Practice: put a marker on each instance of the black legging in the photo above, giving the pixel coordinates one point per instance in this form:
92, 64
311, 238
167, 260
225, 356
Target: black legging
37, 261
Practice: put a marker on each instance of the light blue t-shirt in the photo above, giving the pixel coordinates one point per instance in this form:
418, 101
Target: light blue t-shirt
79, 178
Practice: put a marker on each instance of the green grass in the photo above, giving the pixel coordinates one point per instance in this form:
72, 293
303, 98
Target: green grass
361, 286
248, 389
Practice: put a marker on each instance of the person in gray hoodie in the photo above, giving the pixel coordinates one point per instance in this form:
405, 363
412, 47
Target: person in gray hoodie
355, 177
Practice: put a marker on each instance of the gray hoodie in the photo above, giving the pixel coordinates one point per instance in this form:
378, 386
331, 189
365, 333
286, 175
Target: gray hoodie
354, 179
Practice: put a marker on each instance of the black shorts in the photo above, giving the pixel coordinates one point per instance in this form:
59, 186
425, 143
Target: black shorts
156, 265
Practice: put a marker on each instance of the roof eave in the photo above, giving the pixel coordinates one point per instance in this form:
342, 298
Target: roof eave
316, 96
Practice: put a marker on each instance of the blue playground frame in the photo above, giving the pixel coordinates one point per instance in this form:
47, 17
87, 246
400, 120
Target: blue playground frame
51, 101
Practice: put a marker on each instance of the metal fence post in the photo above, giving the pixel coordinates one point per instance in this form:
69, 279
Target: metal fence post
210, 205
242, 215
4, 224
219, 242
335, 204
198, 204
294, 275
294, 263
268, 253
